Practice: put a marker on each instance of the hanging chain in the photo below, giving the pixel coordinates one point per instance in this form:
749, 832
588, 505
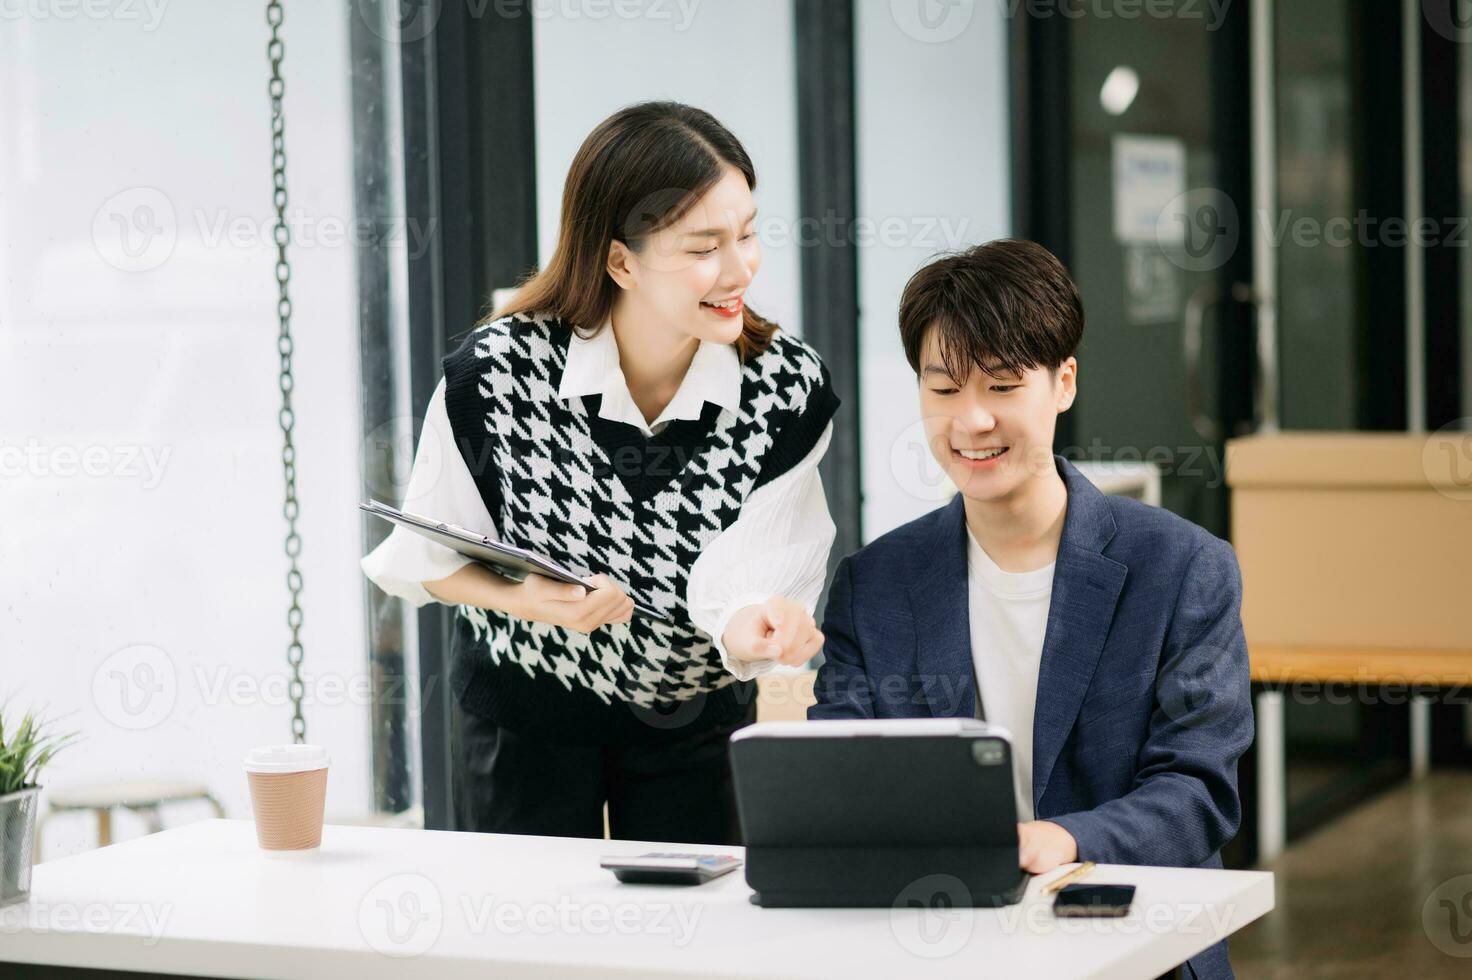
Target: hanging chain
275, 50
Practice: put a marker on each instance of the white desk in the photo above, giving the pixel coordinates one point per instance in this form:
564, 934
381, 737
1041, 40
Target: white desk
394, 903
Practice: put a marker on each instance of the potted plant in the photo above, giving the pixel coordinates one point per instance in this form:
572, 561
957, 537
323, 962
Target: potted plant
24, 752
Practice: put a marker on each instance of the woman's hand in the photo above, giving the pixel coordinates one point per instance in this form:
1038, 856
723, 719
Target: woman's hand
572, 606
1043, 845
537, 598
778, 629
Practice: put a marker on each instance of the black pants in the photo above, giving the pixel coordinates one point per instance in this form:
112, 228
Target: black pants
680, 791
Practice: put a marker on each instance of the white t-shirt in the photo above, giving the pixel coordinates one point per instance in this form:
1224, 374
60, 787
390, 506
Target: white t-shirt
1009, 617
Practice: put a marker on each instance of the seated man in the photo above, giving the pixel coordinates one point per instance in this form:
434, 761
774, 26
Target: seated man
1102, 633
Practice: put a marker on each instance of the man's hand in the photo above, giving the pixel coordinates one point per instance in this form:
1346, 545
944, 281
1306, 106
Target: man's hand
1043, 845
778, 629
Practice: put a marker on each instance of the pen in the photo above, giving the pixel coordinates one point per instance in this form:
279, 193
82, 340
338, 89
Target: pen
1067, 879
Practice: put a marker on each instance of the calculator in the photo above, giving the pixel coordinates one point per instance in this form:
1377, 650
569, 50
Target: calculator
662, 868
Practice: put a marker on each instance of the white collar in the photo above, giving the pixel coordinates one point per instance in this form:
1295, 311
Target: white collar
592, 368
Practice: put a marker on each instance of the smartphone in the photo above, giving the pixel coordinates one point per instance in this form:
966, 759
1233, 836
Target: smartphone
660, 868
1094, 900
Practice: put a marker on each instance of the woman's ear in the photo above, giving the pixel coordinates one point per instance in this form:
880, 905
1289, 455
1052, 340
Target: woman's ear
622, 265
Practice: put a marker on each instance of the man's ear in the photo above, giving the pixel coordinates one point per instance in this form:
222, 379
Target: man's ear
1066, 384
622, 265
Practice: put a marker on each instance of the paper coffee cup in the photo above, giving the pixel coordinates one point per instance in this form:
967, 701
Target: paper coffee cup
288, 790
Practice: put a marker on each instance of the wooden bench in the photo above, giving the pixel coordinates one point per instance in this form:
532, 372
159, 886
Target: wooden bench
1420, 672
1380, 666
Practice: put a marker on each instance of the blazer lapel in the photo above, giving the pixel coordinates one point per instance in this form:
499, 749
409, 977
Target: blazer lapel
1086, 589
942, 617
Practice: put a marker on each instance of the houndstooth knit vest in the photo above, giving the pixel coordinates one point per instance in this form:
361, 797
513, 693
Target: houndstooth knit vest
600, 496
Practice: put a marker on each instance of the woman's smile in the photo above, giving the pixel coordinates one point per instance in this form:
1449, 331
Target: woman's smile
727, 308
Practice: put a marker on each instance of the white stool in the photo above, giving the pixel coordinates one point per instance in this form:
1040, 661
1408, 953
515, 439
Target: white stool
143, 797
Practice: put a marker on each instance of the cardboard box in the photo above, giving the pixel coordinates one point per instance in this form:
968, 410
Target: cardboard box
1354, 539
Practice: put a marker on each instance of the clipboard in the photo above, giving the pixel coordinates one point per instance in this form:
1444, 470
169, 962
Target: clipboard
508, 560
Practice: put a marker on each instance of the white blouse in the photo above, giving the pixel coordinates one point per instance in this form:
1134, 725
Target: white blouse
778, 544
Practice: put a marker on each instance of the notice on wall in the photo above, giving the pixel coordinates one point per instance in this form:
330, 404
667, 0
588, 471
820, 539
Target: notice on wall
1149, 173
1152, 286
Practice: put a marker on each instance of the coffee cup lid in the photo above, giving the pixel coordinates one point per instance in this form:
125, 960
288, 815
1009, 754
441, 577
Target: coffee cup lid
286, 758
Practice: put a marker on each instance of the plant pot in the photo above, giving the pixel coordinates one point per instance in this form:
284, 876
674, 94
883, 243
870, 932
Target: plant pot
17, 837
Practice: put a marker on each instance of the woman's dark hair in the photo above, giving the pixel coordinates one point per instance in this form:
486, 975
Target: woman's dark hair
638, 172
1005, 306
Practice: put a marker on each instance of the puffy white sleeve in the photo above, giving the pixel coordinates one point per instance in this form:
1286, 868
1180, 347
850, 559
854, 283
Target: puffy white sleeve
778, 545
440, 486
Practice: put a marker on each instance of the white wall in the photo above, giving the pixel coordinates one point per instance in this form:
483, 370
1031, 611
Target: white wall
934, 175
732, 58
137, 324
933, 159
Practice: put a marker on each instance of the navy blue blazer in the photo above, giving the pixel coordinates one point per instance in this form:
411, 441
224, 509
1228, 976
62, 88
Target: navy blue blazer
1143, 703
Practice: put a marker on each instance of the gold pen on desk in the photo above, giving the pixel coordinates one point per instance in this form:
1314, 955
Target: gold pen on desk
1057, 883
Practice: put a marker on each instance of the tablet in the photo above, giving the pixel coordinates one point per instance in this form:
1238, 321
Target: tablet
513, 562
876, 728
854, 813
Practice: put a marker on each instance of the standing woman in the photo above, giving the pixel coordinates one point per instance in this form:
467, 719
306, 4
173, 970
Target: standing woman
629, 415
